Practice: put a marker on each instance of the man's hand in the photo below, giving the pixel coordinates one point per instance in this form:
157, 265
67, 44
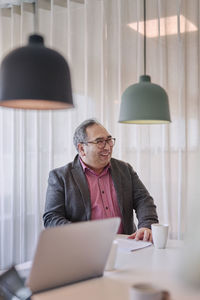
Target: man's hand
142, 234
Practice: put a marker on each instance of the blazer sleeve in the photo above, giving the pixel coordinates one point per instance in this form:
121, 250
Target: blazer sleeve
143, 203
55, 202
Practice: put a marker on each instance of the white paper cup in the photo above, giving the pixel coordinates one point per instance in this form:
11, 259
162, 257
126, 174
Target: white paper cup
142, 291
110, 265
159, 235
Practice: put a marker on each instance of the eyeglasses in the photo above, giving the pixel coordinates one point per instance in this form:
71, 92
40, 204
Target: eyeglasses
102, 142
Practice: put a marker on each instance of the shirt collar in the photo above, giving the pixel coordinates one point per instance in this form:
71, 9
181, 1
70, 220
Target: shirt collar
85, 167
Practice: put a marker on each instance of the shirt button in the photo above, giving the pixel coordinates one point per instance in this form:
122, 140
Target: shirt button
106, 207
102, 192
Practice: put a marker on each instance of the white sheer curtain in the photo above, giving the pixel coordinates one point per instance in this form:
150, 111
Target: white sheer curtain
102, 41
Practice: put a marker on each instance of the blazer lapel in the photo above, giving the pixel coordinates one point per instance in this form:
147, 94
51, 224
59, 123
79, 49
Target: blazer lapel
81, 182
118, 188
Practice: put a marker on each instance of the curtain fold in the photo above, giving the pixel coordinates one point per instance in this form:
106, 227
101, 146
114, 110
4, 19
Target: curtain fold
102, 41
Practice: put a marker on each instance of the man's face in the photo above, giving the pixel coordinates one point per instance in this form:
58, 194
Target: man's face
92, 156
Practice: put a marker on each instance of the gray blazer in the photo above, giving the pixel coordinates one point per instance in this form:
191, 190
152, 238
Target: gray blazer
68, 196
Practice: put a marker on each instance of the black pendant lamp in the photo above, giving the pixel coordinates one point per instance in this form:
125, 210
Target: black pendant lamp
144, 102
35, 77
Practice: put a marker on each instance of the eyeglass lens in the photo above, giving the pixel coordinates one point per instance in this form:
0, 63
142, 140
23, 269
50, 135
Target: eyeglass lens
101, 144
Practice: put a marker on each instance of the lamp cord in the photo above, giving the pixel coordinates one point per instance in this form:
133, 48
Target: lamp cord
144, 37
36, 19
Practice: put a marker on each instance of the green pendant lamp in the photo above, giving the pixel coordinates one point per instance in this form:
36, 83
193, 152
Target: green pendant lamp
144, 102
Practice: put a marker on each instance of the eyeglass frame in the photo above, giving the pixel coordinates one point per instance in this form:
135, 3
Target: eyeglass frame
99, 140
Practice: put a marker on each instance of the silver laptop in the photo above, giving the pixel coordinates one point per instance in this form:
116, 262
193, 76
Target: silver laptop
71, 253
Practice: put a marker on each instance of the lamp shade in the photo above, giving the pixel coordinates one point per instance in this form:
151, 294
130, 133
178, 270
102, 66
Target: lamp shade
35, 77
144, 103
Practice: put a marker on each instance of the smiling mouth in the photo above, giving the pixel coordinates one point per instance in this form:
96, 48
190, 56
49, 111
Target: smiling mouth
105, 154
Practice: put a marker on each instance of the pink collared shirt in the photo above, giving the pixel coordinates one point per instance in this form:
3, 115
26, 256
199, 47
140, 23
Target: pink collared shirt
103, 196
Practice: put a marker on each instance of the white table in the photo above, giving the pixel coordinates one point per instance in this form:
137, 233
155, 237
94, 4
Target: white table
148, 265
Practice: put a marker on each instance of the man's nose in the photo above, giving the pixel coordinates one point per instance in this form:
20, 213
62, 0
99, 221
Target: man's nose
107, 146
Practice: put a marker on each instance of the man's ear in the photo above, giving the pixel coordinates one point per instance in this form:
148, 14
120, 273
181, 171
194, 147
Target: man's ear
81, 149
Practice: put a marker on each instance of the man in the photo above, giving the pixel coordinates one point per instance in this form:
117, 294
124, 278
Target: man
96, 186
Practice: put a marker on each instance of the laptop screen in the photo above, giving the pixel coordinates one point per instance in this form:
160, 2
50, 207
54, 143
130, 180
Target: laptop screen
71, 253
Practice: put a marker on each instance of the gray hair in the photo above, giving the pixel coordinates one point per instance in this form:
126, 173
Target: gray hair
80, 134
